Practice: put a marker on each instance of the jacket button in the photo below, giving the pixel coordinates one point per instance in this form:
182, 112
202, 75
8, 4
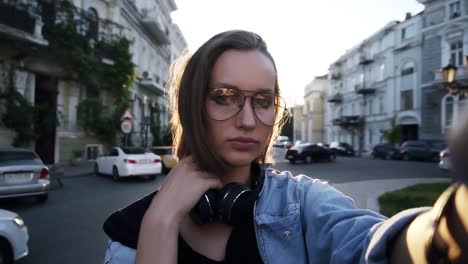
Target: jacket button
287, 235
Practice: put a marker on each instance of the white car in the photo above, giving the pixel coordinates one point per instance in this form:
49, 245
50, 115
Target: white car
444, 163
128, 162
13, 237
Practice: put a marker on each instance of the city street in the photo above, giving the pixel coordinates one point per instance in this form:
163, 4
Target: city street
68, 228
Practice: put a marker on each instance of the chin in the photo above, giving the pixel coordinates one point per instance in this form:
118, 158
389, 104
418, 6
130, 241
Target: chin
240, 160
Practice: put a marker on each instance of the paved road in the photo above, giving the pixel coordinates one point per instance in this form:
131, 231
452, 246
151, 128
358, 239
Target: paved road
67, 229
350, 169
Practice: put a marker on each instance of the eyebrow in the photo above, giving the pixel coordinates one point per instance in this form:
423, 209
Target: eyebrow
226, 85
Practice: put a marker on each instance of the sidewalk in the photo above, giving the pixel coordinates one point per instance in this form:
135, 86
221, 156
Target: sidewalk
366, 193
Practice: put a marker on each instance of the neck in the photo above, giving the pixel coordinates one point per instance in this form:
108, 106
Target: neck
237, 174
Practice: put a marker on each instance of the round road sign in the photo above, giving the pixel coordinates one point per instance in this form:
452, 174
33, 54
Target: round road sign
126, 126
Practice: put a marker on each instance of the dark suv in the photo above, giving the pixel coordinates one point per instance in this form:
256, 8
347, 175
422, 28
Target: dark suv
386, 151
417, 150
309, 152
342, 148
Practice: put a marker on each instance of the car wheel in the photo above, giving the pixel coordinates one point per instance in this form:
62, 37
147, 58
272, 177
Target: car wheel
6, 254
152, 177
308, 159
115, 174
164, 169
387, 157
41, 199
332, 157
292, 161
406, 157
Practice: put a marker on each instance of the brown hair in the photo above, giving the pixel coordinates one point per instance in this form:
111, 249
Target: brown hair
189, 81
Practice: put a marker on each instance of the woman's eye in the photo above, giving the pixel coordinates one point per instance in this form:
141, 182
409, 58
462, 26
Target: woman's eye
263, 101
220, 99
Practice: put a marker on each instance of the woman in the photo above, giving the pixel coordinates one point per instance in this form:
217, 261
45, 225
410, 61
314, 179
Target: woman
226, 112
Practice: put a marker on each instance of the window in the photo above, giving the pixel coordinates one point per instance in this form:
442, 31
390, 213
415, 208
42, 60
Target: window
406, 101
455, 9
407, 70
370, 136
407, 32
381, 72
93, 20
456, 53
449, 104
381, 105
370, 106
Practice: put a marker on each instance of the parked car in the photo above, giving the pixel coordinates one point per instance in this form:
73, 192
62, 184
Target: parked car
22, 173
342, 148
444, 163
417, 150
13, 237
385, 151
282, 142
129, 162
168, 158
309, 152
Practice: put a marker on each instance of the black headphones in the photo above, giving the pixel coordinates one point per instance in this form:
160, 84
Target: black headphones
233, 204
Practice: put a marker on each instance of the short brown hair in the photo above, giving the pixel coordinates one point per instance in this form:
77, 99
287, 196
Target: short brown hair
189, 82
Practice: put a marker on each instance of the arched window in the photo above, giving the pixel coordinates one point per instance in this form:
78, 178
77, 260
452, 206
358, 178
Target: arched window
93, 22
449, 110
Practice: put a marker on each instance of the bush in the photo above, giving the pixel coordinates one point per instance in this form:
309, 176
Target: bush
414, 196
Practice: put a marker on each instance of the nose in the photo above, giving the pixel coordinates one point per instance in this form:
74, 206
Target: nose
246, 117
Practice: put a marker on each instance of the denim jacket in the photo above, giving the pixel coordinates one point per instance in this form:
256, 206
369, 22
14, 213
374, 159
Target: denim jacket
304, 220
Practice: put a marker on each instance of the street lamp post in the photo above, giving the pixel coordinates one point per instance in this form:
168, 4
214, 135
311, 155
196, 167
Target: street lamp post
453, 86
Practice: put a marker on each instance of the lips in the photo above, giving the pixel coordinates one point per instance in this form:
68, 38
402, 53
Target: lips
243, 143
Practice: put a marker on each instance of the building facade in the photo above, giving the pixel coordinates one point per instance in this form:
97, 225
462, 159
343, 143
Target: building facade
361, 91
312, 128
445, 40
55, 93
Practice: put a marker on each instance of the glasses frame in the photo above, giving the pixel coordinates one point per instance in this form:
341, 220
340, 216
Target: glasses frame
253, 94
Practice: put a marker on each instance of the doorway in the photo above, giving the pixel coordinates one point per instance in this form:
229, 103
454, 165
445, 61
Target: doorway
45, 119
409, 132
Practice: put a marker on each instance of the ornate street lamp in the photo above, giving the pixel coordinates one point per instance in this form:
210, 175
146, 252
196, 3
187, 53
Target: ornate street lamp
453, 87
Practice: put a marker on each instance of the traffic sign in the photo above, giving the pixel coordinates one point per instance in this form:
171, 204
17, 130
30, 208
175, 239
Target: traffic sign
126, 126
127, 115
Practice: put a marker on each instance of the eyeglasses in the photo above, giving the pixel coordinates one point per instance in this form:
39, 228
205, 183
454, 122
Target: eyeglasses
224, 103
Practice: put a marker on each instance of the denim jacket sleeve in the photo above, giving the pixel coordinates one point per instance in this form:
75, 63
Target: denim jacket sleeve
337, 232
117, 253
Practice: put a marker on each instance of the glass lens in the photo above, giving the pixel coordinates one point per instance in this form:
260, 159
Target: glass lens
269, 108
224, 103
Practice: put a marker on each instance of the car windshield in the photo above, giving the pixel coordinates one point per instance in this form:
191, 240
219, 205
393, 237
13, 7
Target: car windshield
18, 157
134, 151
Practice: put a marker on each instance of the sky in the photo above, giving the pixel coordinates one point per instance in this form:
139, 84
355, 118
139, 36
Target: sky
303, 36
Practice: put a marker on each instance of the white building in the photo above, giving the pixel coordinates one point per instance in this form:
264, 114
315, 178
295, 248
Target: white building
313, 110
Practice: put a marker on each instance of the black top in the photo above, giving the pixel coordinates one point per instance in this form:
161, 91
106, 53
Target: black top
124, 226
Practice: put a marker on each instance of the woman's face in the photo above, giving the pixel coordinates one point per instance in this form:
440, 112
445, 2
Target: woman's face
239, 75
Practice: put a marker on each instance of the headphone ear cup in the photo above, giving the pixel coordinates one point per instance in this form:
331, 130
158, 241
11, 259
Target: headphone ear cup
235, 204
205, 209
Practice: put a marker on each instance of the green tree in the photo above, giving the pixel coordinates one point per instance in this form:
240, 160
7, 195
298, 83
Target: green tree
393, 134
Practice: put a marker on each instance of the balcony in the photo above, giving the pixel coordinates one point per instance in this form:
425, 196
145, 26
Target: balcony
336, 98
151, 83
348, 121
364, 89
22, 22
365, 60
152, 22
336, 76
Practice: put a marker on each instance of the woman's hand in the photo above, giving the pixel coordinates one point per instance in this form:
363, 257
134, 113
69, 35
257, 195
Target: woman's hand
181, 190
178, 194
